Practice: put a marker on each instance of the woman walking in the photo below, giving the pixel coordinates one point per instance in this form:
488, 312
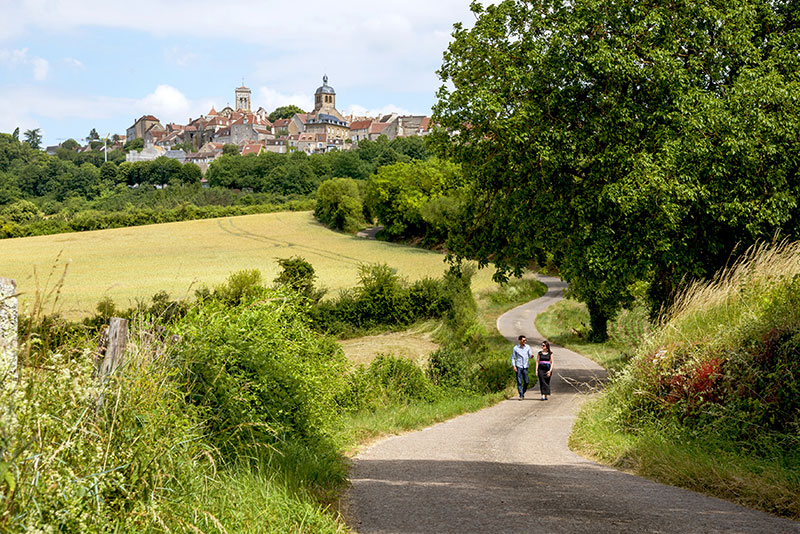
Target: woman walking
544, 368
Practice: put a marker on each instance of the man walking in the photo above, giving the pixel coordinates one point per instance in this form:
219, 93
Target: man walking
520, 356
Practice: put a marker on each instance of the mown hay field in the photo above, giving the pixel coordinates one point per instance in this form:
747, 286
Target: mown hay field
135, 263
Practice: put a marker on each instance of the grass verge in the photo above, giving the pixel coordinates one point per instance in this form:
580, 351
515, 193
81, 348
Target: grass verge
566, 323
694, 460
711, 399
363, 427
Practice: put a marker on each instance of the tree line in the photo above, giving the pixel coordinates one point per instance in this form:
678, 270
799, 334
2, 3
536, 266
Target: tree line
71, 191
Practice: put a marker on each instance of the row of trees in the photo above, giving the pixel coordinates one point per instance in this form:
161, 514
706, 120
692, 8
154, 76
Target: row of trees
297, 173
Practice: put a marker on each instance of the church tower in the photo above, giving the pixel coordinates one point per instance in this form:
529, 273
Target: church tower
242, 98
325, 98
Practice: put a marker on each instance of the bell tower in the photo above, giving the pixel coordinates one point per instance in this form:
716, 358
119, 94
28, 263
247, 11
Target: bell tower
325, 98
242, 98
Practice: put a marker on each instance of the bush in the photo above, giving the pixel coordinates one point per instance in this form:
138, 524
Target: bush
298, 274
259, 372
403, 378
240, 286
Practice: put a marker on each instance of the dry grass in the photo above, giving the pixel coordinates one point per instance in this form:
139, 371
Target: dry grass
415, 344
715, 313
130, 263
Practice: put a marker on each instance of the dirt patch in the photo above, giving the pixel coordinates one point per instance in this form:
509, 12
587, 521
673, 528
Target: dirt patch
412, 344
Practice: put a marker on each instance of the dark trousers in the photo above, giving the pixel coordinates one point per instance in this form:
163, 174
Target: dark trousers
522, 380
544, 380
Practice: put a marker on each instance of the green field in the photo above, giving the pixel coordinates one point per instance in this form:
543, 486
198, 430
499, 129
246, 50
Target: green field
130, 263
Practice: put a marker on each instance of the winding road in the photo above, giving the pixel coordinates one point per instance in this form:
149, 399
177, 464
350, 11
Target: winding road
507, 469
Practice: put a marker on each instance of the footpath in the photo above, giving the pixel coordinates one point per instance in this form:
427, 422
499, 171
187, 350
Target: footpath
508, 469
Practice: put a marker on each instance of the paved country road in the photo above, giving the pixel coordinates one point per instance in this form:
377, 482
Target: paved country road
507, 469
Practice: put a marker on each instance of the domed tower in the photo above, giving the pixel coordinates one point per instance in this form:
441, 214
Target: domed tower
325, 98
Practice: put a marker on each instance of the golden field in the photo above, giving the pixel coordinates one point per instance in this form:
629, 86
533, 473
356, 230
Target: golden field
130, 263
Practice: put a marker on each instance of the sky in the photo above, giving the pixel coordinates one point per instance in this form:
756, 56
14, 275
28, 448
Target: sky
69, 66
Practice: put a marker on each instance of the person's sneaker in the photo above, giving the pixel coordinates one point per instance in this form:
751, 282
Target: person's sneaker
544, 398
521, 397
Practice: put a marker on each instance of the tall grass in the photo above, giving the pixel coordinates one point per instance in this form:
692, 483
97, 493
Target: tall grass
711, 400
231, 416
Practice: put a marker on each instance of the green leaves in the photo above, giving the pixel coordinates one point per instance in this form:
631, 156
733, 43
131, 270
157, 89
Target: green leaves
635, 143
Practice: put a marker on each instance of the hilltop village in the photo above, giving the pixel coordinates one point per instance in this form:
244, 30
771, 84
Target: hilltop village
319, 131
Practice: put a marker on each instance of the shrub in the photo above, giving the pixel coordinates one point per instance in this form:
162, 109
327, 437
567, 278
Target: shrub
259, 372
402, 379
69, 467
239, 286
299, 275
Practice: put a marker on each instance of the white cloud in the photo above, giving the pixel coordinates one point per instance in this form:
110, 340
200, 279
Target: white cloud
40, 68
361, 111
74, 63
270, 99
180, 56
24, 106
17, 57
381, 44
166, 101
13, 58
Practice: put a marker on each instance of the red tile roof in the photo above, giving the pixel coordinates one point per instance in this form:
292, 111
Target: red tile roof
360, 125
252, 148
378, 127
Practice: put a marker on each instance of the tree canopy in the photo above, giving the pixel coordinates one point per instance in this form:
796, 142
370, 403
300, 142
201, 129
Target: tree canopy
284, 112
33, 138
637, 143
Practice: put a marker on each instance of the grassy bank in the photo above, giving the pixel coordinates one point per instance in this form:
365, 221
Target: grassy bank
711, 399
210, 425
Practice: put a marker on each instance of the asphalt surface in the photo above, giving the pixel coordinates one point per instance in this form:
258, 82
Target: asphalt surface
507, 469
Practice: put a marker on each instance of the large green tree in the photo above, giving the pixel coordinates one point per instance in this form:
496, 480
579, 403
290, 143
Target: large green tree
284, 112
634, 141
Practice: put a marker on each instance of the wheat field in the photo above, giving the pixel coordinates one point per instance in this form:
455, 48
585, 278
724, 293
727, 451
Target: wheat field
127, 264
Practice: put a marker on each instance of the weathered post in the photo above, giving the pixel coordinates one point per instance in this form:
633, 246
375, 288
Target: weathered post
8, 330
110, 352
112, 347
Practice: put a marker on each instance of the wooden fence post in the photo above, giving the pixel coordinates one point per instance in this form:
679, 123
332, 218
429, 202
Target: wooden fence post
8, 330
111, 351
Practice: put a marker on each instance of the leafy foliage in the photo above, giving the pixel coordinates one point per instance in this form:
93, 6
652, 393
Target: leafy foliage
339, 204
576, 122
298, 274
284, 112
410, 199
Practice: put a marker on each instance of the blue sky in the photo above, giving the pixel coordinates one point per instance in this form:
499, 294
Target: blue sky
68, 67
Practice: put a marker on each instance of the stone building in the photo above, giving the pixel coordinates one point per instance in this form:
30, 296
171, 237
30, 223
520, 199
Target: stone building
325, 100
142, 125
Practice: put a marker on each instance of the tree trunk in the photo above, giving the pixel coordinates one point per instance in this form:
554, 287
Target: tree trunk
598, 320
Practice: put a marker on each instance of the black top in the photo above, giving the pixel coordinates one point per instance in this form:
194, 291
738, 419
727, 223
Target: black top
544, 358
